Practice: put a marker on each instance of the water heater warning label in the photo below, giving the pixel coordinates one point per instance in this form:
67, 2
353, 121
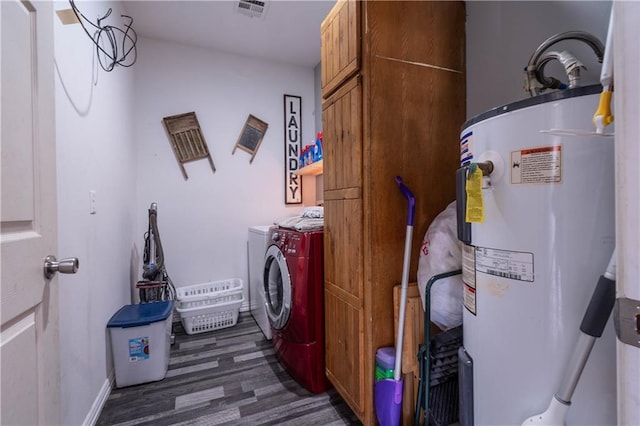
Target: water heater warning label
537, 165
469, 278
515, 265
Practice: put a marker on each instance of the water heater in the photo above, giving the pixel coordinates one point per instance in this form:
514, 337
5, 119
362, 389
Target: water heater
531, 264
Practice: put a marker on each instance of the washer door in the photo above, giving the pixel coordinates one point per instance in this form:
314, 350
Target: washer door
277, 287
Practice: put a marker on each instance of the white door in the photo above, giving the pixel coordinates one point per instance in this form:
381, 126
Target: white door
626, 56
29, 302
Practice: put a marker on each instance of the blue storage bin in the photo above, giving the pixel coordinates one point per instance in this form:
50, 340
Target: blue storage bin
141, 342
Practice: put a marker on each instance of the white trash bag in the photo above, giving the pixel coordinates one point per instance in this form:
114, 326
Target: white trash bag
440, 252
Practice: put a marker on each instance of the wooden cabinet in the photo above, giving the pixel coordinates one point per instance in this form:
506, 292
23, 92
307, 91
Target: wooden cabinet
396, 108
340, 35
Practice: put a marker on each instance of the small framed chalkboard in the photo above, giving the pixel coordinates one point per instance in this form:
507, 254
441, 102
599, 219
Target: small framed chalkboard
251, 136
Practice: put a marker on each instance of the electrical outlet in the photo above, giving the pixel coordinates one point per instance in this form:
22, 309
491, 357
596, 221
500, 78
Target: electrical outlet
92, 202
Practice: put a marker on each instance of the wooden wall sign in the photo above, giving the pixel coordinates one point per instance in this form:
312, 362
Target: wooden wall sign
292, 146
251, 136
187, 140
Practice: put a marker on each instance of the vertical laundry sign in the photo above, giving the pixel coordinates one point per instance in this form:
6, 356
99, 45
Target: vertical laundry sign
292, 145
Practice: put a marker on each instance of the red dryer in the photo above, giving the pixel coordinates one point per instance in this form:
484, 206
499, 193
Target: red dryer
294, 293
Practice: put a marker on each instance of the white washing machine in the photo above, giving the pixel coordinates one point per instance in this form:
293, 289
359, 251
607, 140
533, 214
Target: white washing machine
258, 243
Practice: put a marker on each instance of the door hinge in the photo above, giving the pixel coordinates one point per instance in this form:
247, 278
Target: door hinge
626, 318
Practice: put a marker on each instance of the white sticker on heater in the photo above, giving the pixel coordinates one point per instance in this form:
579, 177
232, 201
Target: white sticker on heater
537, 165
514, 265
469, 277
469, 265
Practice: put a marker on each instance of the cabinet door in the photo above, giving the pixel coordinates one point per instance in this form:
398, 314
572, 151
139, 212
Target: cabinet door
344, 313
340, 35
342, 138
343, 243
344, 348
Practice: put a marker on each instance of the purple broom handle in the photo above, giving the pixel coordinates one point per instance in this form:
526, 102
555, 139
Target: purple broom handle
410, 198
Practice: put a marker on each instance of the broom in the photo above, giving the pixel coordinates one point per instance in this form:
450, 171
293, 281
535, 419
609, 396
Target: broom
388, 392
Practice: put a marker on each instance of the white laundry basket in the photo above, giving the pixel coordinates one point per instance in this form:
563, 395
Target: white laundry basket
210, 306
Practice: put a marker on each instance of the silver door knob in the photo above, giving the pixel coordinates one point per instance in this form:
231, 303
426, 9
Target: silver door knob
69, 265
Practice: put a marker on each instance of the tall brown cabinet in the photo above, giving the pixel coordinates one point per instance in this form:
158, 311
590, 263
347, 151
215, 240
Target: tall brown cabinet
393, 88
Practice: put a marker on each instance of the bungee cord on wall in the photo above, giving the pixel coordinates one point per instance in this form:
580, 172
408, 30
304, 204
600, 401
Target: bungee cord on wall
114, 45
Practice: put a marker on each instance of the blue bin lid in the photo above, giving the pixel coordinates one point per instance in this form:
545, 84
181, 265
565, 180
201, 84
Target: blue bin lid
141, 314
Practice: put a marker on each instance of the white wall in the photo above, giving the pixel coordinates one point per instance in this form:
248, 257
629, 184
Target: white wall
203, 221
95, 151
502, 36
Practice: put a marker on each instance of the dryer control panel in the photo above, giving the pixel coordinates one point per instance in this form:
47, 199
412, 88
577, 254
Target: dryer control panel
290, 242
292, 245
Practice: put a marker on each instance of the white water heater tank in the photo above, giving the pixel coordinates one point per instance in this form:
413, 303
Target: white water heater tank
530, 268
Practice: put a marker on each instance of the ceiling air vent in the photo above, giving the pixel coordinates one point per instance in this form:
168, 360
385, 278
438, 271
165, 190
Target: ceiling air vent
252, 8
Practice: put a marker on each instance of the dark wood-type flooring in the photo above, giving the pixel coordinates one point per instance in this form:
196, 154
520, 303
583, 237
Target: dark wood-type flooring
224, 377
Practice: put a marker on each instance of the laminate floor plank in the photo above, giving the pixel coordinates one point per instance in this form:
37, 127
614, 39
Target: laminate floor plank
224, 377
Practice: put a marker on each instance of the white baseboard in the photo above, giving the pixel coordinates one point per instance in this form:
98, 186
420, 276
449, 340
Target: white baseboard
101, 399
